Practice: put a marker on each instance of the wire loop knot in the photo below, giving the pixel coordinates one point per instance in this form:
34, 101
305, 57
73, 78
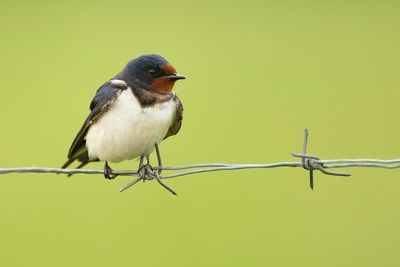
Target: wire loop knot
312, 163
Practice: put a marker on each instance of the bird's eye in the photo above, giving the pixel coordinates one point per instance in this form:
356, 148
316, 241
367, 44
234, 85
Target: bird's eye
152, 71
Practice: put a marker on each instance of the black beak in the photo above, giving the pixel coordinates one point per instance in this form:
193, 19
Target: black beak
174, 77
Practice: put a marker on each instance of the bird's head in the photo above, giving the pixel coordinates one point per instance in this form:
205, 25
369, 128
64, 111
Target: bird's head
152, 70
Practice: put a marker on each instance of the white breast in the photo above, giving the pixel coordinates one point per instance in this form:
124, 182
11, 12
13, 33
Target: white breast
127, 130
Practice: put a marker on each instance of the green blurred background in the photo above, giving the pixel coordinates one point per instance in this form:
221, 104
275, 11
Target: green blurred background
259, 72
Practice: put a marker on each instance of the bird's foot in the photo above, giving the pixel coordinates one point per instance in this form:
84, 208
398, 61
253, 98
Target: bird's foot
108, 172
146, 172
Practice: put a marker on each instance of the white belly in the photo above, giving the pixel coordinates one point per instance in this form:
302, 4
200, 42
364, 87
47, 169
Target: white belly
127, 130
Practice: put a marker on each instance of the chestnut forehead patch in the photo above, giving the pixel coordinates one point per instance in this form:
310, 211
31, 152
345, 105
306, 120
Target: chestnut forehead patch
168, 69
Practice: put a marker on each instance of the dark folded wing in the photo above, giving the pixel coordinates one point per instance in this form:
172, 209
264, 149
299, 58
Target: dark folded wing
104, 98
177, 123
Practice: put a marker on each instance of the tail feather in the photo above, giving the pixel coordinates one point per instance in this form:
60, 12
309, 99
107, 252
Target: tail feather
80, 155
66, 164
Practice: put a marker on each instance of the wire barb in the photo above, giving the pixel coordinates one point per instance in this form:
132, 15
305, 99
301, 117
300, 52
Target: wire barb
311, 163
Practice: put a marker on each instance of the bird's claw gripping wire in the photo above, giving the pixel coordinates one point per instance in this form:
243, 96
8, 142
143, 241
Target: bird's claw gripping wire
312, 163
147, 172
108, 172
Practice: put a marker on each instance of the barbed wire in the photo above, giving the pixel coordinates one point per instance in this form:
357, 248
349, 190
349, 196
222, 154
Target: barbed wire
308, 162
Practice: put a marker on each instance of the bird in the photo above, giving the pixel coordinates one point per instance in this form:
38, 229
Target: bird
130, 115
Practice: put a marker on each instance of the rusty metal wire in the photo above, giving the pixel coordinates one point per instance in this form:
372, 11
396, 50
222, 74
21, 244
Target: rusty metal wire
308, 162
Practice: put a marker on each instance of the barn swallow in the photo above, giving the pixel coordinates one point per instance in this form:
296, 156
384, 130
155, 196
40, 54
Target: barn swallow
130, 115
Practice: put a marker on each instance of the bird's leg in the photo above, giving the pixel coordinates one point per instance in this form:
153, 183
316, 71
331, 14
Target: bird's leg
148, 165
141, 161
145, 168
158, 158
142, 169
108, 172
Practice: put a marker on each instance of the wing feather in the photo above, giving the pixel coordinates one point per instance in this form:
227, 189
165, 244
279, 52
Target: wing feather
177, 123
104, 98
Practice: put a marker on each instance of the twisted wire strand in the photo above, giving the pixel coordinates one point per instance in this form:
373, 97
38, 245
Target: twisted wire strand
308, 162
